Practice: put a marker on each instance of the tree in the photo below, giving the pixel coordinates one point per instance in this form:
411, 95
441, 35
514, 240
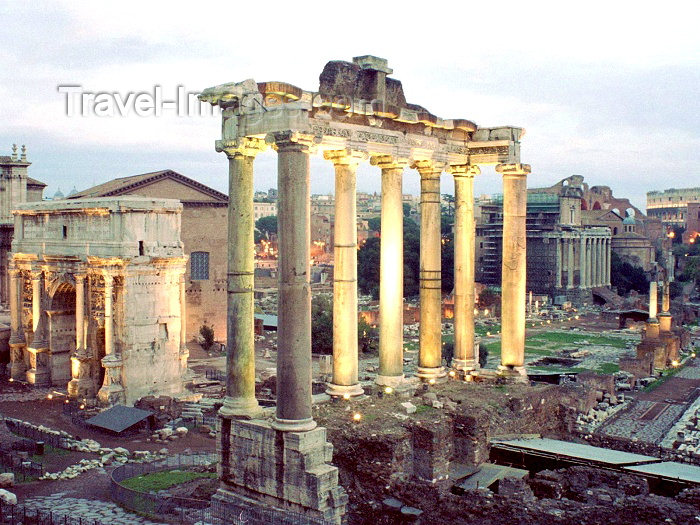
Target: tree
374, 224
321, 325
625, 277
367, 337
368, 267
267, 225
207, 333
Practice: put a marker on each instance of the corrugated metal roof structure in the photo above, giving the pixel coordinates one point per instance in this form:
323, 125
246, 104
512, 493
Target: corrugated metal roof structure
119, 418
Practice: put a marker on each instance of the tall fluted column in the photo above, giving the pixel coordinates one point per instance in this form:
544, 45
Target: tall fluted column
430, 329
570, 263
109, 322
391, 272
345, 355
112, 391
594, 262
608, 259
38, 372
294, 304
558, 264
17, 342
240, 401
514, 267
79, 310
79, 359
465, 358
582, 263
36, 306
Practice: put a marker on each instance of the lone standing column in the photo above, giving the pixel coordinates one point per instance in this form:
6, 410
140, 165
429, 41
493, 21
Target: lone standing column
294, 305
240, 399
391, 273
514, 269
464, 246
430, 329
345, 356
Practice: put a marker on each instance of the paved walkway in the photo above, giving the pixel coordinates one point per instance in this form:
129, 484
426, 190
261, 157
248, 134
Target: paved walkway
103, 512
651, 415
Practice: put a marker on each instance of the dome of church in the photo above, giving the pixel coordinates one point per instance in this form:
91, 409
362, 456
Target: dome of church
58, 195
629, 220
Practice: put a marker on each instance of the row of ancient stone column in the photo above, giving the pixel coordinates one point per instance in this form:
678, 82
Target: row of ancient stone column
594, 261
294, 301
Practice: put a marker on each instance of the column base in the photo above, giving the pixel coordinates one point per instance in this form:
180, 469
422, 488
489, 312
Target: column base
293, 425
665, 321
334, 390
290, 473
37, 377
392, 381
435, 374
18, 368
110, 395
240, 408
464, 365
516, 374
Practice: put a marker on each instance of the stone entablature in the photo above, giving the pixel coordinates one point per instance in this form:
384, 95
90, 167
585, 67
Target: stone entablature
100, 227
98, 283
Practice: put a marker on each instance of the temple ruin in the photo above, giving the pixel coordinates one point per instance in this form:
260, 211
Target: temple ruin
359, 114
97, 297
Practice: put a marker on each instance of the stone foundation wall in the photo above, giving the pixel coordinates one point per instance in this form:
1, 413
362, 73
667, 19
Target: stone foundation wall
283, 470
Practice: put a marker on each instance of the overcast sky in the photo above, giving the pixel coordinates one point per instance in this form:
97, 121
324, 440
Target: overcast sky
609, 90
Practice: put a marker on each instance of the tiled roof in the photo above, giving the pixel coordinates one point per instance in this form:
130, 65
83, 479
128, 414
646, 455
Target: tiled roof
123, 185
34, 182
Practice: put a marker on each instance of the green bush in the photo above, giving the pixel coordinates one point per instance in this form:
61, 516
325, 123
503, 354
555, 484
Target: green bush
207, 333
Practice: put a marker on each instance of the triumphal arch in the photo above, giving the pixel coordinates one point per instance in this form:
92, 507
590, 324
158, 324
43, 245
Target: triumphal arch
97, 297
359, 114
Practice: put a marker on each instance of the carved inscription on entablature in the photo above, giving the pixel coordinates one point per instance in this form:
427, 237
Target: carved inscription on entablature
331, 132
500, 150
454, 148
380, 138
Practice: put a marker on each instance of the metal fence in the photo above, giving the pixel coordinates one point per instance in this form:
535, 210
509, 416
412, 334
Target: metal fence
24, 515
189, 510
215, 375
22, 468
159, 505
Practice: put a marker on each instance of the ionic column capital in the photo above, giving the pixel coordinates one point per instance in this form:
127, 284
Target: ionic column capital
428, 168
464, 170
292, 141
108, 277
387, 162
14, 272
345, 157
242, 147
513, 170
36, 274
80, 276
